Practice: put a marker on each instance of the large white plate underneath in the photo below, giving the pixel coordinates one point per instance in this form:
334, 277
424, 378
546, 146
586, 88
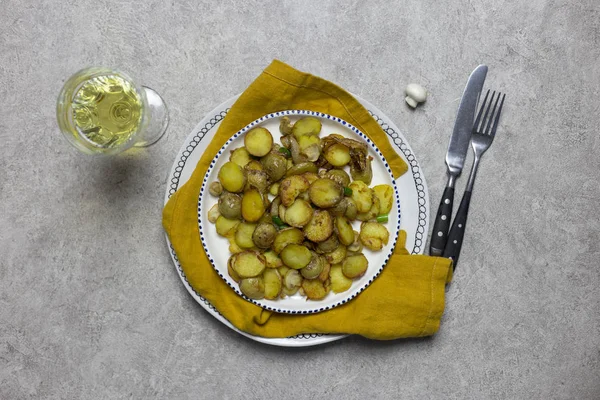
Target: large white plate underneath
414, 203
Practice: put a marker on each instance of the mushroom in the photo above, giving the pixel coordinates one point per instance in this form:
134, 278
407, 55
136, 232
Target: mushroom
415, 94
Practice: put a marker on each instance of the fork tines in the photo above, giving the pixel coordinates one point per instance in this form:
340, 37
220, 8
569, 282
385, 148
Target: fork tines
484, 121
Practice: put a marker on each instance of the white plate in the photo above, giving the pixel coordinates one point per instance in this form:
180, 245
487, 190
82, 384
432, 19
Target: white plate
214, 244
414, 202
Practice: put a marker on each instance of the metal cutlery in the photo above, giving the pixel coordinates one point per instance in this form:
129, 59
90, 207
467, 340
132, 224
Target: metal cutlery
484, 131
455, 157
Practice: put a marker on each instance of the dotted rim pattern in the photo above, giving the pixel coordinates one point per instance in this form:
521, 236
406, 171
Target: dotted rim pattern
250, 126
420, 234
386, 128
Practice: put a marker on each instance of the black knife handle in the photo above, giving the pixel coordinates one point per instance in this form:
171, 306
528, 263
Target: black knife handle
442, 223
457, 232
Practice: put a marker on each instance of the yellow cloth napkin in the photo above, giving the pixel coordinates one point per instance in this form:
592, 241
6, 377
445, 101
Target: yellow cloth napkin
406, 300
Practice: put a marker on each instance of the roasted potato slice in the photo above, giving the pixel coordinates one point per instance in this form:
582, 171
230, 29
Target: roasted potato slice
215, 188
258, 141
295, 256
213, 214
314, 289
254, 165
230, 205
385, 194
356, 245
351, 209
248, 264
257, 179
243, 235
291, 187
283, 270
240, 156
362, 196
339, 282
253, 288
274, 189
344, 231
373, 211
310, 177
328, 245
325, 192
306, 126
299, 213
272, 259
232, 177
314, 267
291, 282
264, 235
373, 235
338, 175
302, 168
233, 246
310, 147
365, 175
275, 166
285, 126
320, 226
336, 256
355, 266
273, 283
285, 237
225, 226
234, 275
324, 275
253, 206
281, 211
337, 155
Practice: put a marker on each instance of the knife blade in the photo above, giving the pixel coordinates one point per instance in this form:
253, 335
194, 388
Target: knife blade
455, 156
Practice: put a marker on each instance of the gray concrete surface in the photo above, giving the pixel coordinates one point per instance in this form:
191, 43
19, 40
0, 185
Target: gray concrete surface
90, 304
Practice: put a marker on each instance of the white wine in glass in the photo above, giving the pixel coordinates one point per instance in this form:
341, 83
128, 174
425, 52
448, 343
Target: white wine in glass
102, 111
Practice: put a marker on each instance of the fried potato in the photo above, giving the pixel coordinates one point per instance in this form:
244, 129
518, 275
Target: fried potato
248, 264
253, 288
306, 126
373, 235
253, 206
240, 156
273, 283
339, 282
385, 194
224, 226
285, 237
337, 155
291, 187
320, 226
232, 177
299, 213
243, 235
325, 193
295, 256
314, 289
355, 266
258, 142
344, 230
362, 196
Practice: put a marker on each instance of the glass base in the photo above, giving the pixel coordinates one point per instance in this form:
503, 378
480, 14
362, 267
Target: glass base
159, 119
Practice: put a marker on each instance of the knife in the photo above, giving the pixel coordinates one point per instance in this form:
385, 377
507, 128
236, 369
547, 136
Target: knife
455, 157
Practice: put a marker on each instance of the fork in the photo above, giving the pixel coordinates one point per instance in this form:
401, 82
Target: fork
484, 131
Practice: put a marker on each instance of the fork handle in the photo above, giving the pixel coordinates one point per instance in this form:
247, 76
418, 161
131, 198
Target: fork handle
442, 223
457, 232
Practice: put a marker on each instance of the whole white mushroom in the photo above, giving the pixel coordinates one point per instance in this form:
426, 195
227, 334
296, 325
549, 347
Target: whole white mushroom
415, 94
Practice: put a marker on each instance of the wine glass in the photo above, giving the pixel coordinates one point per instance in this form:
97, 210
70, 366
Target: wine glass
102, 111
